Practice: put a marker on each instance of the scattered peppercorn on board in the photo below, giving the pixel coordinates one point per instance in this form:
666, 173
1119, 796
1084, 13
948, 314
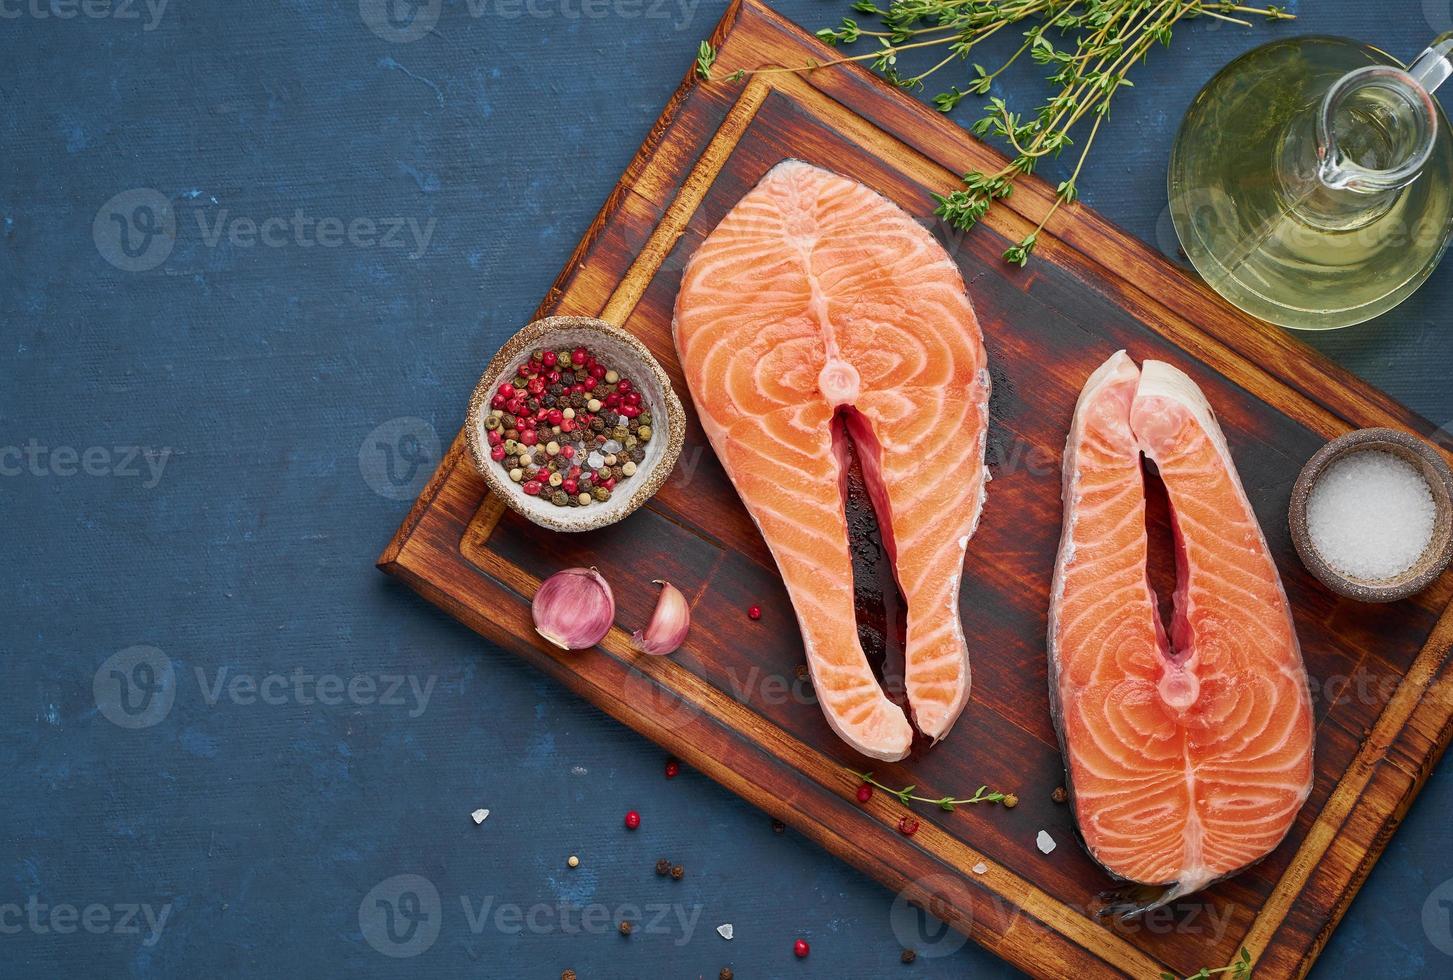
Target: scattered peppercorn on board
732, 703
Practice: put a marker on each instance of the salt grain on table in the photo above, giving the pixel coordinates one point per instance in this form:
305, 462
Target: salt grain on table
980, 868
1370, 515
1045, 842
725, 930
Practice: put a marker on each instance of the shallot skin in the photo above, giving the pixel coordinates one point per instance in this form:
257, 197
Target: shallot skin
669, 623
574, 608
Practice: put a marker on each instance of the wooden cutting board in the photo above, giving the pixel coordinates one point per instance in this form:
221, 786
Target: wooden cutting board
732, 704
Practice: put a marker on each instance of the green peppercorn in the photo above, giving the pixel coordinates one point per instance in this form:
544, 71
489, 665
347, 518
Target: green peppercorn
644, 418
601, 494
560, 498
619, 433
491, 423
644, 433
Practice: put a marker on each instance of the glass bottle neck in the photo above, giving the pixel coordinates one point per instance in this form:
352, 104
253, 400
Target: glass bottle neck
1370, 137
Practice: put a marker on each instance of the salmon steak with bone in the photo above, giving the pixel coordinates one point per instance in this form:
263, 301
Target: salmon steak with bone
819, 312
1188, 749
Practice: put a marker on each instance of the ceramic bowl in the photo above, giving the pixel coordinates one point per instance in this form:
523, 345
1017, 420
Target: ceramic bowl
625, 354
1426, 460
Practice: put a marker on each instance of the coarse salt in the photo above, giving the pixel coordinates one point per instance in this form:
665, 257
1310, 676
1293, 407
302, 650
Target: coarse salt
1044, 842
479, 815
725, 930
980, 868
1370, 515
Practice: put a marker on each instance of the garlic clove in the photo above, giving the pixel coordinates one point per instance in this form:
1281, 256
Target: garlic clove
574, 609
669, 623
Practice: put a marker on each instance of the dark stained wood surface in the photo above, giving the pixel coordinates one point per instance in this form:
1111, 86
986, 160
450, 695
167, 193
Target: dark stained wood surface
731, 702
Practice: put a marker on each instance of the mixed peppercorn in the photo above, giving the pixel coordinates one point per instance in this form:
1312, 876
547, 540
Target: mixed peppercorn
567, 427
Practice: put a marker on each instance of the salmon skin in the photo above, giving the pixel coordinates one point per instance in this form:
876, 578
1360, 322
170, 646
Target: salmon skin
815, 312
1189, 750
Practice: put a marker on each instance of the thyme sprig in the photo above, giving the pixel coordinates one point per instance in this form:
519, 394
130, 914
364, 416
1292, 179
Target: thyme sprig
1239, 968
1087, 48
948, 803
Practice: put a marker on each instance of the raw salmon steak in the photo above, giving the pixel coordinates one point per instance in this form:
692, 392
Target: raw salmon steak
815, 312
1189, 750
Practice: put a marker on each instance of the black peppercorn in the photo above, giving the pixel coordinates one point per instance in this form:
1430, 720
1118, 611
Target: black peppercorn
908, 956
663, 867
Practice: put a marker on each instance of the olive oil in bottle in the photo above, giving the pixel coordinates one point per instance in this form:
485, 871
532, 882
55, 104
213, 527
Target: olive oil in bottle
1311, 183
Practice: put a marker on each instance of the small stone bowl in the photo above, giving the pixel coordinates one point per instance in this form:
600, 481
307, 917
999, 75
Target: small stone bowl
625, 354
1435, 558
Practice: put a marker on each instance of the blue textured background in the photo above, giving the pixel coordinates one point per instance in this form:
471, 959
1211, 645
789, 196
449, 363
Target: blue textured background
258, 376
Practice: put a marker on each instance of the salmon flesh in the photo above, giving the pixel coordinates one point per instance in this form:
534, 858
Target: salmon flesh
818, 311
1188, 749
